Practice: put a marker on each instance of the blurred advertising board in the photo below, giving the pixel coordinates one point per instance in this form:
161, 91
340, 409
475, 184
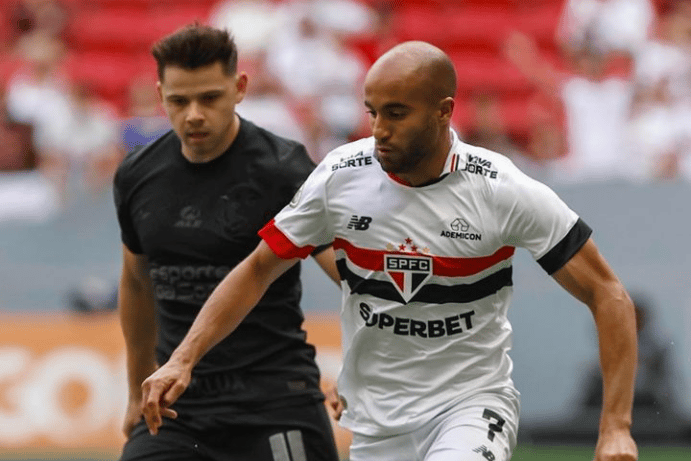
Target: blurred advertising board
63, 382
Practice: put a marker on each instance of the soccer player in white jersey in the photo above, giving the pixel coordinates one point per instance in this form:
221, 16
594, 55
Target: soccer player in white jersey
424, 228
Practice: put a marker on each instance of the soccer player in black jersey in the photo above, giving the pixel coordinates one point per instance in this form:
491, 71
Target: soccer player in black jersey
189, 207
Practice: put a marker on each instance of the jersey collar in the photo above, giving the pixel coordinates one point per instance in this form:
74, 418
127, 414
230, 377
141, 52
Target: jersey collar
454, 160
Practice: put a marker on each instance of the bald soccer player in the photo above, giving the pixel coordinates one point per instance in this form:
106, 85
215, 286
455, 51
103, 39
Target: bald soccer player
425, 228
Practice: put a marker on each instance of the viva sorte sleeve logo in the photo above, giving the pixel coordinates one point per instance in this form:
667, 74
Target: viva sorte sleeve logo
408, 269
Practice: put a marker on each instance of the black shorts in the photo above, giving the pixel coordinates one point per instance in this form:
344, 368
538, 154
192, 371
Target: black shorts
299, 433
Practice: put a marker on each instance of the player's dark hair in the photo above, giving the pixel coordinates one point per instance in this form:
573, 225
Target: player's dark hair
194, 46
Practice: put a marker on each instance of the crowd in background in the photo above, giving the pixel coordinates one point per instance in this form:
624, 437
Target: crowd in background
616, 105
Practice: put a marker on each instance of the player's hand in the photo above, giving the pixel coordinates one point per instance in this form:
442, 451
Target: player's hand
333, 400
160, 391
616, 446
133, 414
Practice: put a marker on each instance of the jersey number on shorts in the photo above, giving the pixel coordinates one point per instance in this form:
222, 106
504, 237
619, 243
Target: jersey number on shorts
493, 427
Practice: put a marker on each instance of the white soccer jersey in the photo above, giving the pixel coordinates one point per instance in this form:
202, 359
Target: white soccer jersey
426, 274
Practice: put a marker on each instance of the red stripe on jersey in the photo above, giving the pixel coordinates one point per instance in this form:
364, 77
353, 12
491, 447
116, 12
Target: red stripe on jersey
443, 266
280, 244
454, 160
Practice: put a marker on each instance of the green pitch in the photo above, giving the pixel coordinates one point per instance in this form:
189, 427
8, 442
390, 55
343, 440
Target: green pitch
580, 453
524, 452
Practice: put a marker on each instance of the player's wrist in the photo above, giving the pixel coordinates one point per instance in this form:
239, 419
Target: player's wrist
611, 424
183, 360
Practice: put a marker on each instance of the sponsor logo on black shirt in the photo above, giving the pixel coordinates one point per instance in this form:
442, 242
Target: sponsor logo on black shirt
190, 217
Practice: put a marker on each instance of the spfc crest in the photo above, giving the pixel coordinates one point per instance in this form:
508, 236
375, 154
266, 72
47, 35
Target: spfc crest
408, 272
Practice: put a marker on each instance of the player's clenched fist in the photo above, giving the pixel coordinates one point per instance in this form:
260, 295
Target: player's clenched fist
616, 446
160, 391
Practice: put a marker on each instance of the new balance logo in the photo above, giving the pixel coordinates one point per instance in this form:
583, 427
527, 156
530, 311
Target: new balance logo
359, 222
486, 453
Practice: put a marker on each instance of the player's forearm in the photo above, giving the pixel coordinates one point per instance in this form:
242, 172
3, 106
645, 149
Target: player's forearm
616, 324
222, 312
138, 323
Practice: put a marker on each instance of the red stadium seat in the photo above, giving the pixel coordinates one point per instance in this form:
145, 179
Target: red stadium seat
478, 27
166, 20
487, 72
123, 30
108, 74
417, 22
539, 21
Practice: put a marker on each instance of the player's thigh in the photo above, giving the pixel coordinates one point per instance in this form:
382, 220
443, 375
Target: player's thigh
482, 431
306, 436
172, 443
310, 439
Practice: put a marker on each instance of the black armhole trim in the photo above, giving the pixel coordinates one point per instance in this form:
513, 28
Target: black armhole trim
566, 248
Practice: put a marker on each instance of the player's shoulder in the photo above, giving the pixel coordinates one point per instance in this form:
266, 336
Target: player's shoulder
351, 157
136, 161
268, 144
481, 163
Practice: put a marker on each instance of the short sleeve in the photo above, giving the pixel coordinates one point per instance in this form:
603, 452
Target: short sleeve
302, 225
127, 233
534, 217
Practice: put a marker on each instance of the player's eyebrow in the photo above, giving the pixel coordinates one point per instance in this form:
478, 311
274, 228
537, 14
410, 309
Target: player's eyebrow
211, 93
389, 106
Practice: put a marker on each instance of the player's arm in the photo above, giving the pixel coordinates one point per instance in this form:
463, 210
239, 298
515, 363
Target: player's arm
326, 258
589, 278
223, 311
138, 323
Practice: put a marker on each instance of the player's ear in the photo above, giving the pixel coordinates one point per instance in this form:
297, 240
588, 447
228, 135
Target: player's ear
241, 81
446, 106
159, 90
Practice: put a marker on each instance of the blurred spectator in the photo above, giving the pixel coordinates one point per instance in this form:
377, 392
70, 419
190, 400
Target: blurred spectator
92, 295
304, 46
654, 387
80, 148
145, 121
655, 405
607, 25
31, 22
39, 85
487, 128
73, 135
253, 23
660, 131
322, 74
267, 102
380, 36
341, 17
16, 148
656, 418
597, 107
545, 145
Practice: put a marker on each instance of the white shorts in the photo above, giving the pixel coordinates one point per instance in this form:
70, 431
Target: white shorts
481, 428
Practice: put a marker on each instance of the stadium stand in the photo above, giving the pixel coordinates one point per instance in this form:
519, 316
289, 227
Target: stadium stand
109, 40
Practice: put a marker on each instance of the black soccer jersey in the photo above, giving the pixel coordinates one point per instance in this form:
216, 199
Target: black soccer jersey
195, 222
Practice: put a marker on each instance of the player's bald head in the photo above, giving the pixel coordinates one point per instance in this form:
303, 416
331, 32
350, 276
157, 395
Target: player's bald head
420, 64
